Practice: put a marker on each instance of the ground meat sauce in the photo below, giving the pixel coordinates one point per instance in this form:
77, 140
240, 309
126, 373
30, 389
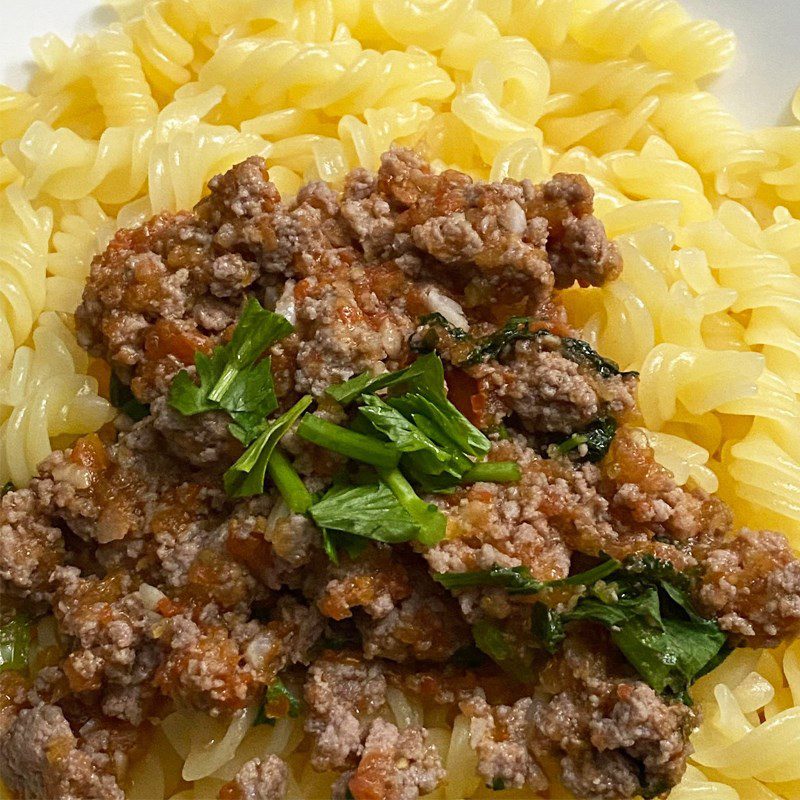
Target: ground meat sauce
167, 593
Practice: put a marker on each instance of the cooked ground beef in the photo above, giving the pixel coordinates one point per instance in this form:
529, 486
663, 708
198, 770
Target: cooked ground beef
168, 593
500, 735
614, 736
425, 626
260, 779
343, 695
30, 546
547, 391
41, 757
374, 581
752, 585
396, 765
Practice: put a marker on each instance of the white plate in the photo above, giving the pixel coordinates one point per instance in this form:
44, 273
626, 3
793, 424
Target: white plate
759, 88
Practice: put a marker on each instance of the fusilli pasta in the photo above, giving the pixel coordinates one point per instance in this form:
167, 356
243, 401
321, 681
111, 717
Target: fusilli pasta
136, 119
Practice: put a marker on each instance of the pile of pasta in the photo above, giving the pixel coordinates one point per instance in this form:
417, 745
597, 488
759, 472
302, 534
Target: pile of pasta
136, 118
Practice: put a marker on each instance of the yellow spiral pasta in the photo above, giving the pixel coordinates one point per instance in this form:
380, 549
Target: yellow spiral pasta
118, 79
45, 395
82, 229
137, 118
712, 140
24, 244
544, 22
162, 38
661, 28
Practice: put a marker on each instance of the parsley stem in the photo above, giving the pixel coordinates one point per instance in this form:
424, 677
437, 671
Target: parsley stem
348, 443
289, 483
431, 521
493, 472
224, 383
15, 640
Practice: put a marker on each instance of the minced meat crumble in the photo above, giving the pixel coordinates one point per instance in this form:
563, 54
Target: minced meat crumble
169, 593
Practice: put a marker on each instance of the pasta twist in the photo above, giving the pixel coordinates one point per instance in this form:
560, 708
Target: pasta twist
180, 168
525, 158
783, 175
298, 159
45, 394
116, 169
699, 380
118, 79
83, 230
712, 141
684, 459
608, 196
764, 465
334, 78
424, 23
505, 95
24, 238
364, 142
766, 286
766, 482
544, 22
661, 29
316, 20
63, 88
680, 290
65, 166
621, 83
749, 685
162, 34
17, 111
658, 172
602, 130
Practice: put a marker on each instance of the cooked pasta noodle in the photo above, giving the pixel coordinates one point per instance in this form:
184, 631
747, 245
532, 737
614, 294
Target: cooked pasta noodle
662, 29
24, 236
45, 394
137, 118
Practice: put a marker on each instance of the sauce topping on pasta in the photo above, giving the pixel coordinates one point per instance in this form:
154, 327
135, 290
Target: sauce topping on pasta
363, 464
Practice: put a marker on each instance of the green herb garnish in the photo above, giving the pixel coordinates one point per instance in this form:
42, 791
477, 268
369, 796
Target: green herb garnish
442, 421
493, 472
518, 580
246, 477
122, 398
435, 442
431, 522
422, 385
347, 443
15, 641
427, 336
433, 466
335, 541
426, 371
371, 511
547, 627
492, 346
582, 353
233, 379
646, 605
279, 702
403, 434
288, 483
515, 329
597, 437
505, 649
